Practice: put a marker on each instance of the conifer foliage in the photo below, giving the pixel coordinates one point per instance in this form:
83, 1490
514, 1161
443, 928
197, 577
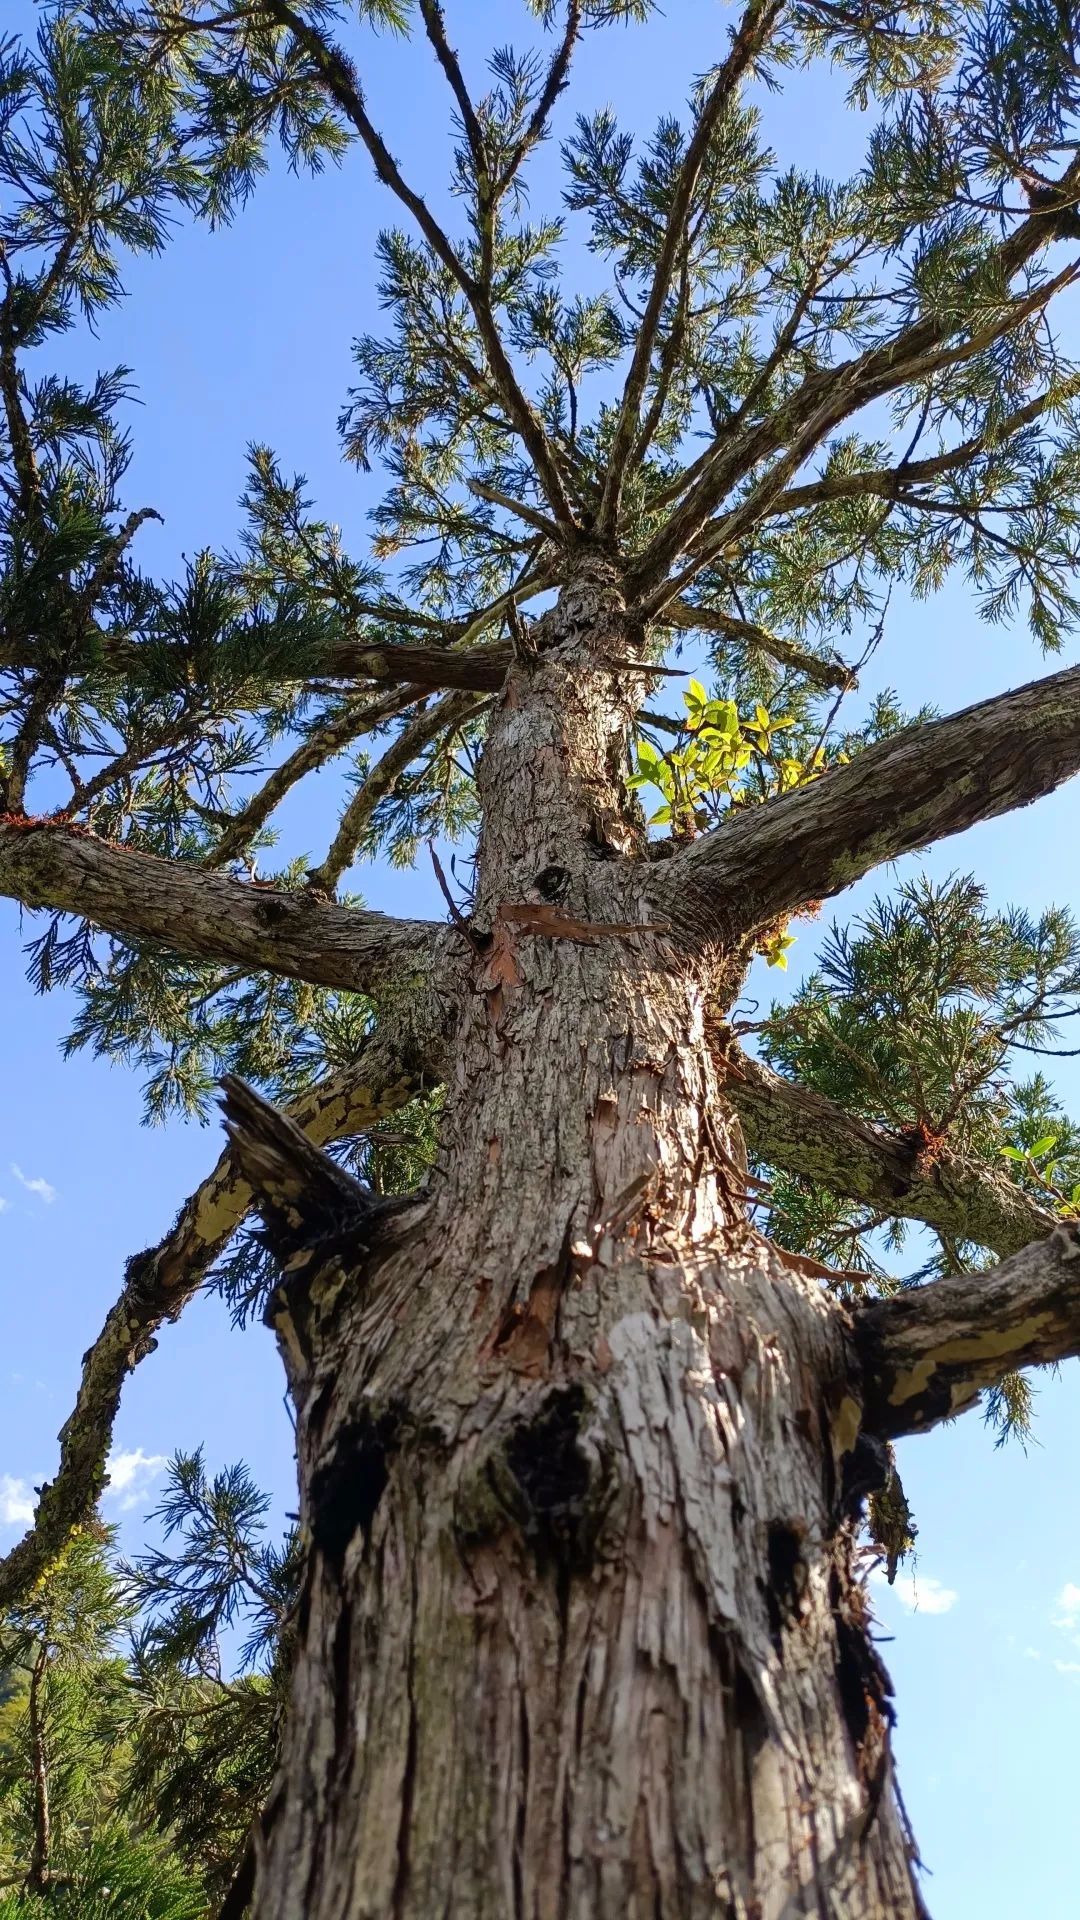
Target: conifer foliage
139, 1725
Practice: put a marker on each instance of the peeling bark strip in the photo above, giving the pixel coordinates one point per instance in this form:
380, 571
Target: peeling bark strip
158, 1286
203, 915
927, 1353
802, 1132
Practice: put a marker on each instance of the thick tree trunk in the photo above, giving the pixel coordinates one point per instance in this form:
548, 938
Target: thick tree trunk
580, 1634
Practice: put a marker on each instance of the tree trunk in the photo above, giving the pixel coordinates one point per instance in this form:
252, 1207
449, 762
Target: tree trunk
37, 1877
580, 1634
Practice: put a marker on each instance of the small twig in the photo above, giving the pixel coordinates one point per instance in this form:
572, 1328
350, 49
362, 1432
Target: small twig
525, 647
456, 914
644, 666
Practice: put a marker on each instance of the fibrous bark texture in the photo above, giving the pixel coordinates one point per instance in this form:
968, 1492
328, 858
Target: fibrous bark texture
799, 1129
44, 863
927, 1353
580, 1633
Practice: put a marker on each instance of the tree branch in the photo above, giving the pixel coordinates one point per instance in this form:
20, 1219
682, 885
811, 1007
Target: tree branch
747, 41
831, 395
453, 711
801, 1131
204, 915
338, 76
830, 676
928, 1352
884, 482
435, 28
857, 384
538, 521
158, 1285
318, 746
482, 668
920, 786
554, 82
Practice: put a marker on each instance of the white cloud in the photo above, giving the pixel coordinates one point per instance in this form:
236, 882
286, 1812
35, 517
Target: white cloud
39, 1186
1066, 1614
920, 1595
1067, 1666
4, 1204
131, 1475
16, 1502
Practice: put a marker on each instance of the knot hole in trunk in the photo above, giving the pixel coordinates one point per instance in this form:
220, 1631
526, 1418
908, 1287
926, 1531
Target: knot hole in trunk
548, 1476
347, 1488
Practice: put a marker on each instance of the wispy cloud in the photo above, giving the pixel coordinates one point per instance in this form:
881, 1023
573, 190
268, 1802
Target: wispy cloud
16, 1502
36, 1185
132, 1474
1067, 1666
4, 1204
920, 1593
131, 1477
1066, 1614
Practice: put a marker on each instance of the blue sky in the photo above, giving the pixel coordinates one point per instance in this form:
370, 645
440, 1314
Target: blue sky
246, 334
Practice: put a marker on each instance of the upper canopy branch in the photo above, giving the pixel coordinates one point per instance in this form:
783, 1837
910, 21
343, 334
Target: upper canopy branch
338, 76
204, 915
447, 715
920, 786
890, 483
799, 1130
827, 674
928, 1352
324, 742
748, 39
830, 395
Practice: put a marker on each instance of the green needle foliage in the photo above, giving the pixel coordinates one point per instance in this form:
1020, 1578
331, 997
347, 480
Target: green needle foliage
208, 1665
68, 1844
141, 1710
924, 1018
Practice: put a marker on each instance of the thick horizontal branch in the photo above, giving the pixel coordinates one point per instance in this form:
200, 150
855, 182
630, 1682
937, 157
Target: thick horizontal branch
929, 1352
477, 669
157, 1287
480, 669
206, 916
920, 786
799, 1130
